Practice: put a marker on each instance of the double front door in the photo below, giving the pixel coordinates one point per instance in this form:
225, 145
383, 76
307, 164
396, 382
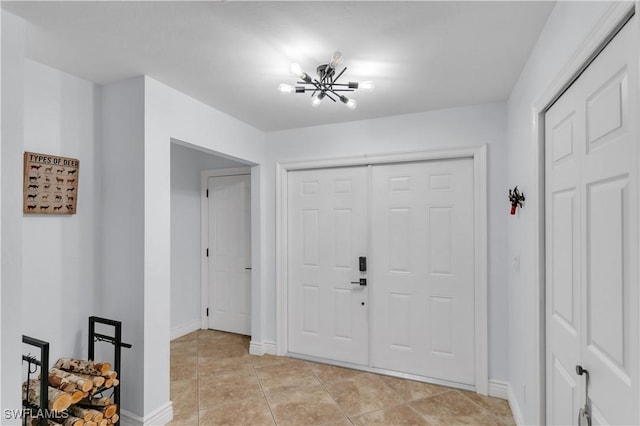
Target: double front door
381, 267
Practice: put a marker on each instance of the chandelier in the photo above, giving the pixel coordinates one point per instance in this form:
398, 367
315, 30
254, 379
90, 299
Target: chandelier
326, 85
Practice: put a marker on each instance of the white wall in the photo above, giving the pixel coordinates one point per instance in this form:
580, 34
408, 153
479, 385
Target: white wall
186, 256
468, 126
121, 295
13, 42
566, 29
1, 142
61, 115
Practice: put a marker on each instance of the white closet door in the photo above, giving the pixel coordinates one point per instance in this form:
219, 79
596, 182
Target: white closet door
422, 269
326, 235
592, 240
230, 253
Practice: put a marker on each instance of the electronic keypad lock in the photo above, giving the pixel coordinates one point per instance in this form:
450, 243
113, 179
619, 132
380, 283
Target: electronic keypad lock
362, 261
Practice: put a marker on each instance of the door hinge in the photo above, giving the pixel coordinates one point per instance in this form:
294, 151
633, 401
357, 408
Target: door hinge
207, 311
207, 252
207, 193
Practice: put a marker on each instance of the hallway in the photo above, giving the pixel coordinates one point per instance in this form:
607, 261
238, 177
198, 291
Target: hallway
214, 381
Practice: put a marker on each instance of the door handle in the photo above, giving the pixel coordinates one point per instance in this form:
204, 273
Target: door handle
584, 414
362, 282
580, 371
247, 269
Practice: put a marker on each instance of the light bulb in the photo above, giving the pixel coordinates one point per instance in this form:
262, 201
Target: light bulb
297, 70
367, 86
336, 59
286, 89
350, 103
315, 101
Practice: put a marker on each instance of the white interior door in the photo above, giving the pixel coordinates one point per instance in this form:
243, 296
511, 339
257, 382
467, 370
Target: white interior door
327, 234
592, 303
230, 253
422, 269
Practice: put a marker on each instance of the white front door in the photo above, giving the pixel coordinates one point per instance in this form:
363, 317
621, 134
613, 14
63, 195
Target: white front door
230, 253
422, 269
592, 303
418, 304
327, 235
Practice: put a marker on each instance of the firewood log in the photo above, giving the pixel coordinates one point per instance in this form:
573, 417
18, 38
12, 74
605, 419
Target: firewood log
58, 400
73, 421
104, 422
96, 402
114, 419
111, 374
110, 411
76, 396
83, 366
96, 380
59, 420
85, 415
62, 383
108, 383
81, 382
88, 414
116, 382
90, 424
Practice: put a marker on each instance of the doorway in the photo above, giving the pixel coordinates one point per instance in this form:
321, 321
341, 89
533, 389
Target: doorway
359, 315
227, 234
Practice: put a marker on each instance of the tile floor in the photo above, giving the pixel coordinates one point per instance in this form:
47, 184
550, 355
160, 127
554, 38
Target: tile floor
214, 381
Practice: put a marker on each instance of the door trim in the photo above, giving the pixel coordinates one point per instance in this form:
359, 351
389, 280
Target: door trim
479, 156
614, 18
204, 234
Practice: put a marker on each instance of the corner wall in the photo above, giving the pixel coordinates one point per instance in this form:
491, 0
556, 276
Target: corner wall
13, 42
121, 295
169, 114
569, 24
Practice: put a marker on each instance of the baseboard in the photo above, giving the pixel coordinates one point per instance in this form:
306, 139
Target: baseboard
184, 329
258, 348
160, 417
499, 389
515, 408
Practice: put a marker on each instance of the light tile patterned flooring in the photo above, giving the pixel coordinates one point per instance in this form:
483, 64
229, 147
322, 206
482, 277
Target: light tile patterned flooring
214, 381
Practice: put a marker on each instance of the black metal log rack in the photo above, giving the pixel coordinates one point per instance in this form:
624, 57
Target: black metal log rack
42, 362
116, 341
32, 367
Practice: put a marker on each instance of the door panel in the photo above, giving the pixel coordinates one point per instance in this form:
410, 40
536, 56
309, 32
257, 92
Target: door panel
592, 237
563, 135
422, 274
230, 253
327, 233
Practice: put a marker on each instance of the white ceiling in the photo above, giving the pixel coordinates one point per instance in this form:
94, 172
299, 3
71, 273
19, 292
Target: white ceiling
232, 55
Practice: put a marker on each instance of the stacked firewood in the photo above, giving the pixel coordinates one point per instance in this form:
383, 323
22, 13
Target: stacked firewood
75, 388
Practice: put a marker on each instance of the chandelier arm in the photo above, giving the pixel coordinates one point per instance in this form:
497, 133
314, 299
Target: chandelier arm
329, 96
338, 76
314, 84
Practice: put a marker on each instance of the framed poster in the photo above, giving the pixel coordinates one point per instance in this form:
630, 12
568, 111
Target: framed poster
50, 184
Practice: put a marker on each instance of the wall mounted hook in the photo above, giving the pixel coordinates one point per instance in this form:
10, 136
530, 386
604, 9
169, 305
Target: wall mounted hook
516, 198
